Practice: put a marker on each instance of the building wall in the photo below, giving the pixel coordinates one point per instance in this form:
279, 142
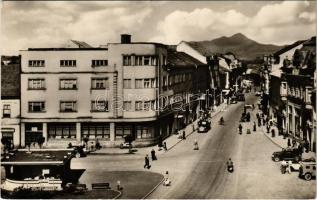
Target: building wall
11, 124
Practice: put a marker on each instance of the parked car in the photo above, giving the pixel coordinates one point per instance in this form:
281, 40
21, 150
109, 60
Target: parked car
125, 145
286, 154
307, 169
203, 126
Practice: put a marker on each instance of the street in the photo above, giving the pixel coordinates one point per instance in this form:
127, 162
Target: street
202, 174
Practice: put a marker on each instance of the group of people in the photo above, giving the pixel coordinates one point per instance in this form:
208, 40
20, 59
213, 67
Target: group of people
286, 167
147, 159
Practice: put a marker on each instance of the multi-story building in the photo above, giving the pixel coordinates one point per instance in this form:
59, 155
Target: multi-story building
297, 84
102, 93
10, 100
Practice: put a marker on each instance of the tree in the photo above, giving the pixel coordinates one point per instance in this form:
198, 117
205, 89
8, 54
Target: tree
40, 141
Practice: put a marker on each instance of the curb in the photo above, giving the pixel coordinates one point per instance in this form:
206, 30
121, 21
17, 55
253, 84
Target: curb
215, 113
148, 194
119, 195
272, 140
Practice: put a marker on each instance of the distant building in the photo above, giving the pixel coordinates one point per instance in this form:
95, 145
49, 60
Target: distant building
10, 100
105, 93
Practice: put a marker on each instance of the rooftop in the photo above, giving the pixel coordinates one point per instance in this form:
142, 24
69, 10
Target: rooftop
181, 59
36, 158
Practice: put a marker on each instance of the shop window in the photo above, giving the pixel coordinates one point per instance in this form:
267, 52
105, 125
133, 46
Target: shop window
60, 130
123, 130
144, 132
95, 130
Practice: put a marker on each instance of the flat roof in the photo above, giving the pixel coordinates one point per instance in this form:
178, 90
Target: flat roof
37, 158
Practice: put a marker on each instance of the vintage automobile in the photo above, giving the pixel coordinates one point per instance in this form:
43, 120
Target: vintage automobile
125, 145
287, 154
203, 126
307, 169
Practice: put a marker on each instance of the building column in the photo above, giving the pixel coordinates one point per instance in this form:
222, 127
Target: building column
22, 132
45, 133
78, 131
112, 131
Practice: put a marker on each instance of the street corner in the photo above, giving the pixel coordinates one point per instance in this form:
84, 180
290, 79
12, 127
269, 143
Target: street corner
132, 184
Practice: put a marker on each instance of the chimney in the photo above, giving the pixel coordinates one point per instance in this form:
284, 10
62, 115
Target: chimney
125, 39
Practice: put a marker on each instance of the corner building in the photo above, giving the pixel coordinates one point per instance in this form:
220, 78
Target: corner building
103, 93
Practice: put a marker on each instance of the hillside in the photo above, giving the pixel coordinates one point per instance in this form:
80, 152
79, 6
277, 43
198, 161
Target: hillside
243, 47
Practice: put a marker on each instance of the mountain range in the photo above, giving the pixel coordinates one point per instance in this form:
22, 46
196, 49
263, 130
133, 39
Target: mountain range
240, 45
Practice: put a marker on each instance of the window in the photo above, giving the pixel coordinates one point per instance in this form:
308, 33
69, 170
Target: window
68, 84
153, 61
99, 106
99, 63
153, 83
68, 106
95, 130
126, 60
146, 60
36, 63
6, 111
138, 105
127, 106
127, 83
164, 60
138, 60
99, 83
68, 63
146, 83
138, 83
144, 132
146, 105
123, 130
36, 84
61, 130
37, 106
164, 81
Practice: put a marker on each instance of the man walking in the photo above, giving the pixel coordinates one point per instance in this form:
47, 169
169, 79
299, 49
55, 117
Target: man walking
240, 129
147, 162
184, 135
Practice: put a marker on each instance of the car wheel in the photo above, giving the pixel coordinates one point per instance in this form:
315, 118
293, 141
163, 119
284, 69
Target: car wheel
308, 176
77, 155
276, 159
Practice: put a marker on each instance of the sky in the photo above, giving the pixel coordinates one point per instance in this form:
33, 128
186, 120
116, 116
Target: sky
52, 23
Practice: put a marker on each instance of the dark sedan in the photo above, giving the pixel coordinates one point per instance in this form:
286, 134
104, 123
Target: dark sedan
286, 154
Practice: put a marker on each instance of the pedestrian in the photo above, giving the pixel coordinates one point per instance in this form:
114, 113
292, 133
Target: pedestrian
184, 135
257, 116
289, 169
240, 129
273, 132
259, 122
196, 145
306, 145
283, 166
167, 181
193, 126
248, 116
293, 142
254, 126
253, 106
288, 142
300, 149
153, 155
267, 129
147, 162
165, 146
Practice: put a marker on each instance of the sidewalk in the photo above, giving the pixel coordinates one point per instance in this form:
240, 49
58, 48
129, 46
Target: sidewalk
171, 141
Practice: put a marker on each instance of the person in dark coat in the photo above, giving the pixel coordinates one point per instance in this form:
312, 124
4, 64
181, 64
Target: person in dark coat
184, 135
240, 129
164, 146
293, 143
147, 162
288, 142
254, 126
153, 155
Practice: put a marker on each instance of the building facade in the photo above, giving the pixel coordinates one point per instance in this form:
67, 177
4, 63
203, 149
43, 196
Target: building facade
297, 86
10, 101
103, 94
